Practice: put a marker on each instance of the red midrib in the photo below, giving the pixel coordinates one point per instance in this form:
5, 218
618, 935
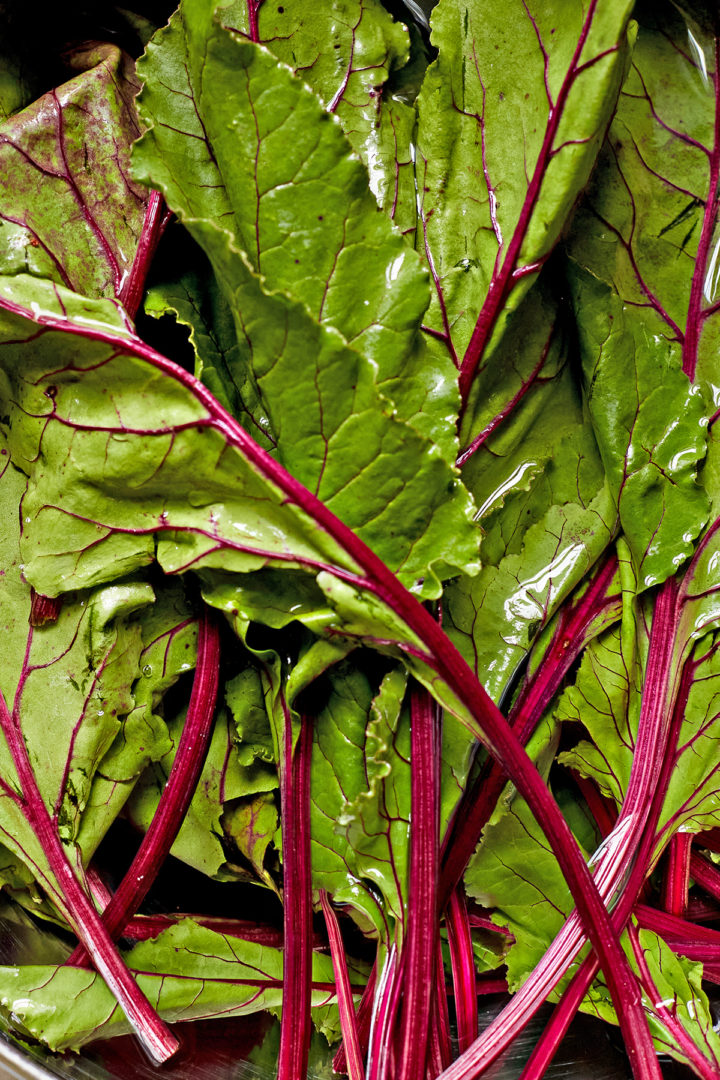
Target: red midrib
695, 312
501, 285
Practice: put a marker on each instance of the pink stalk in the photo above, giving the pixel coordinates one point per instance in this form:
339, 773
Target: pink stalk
253, 7
146, 927
490, 984
419, 948
686, 938
677, 874
463, 969
295, 1024
153, 1033
478, 710
178, 792
703, 909
154, 225
97, 888
385, 1005
705, 875
440, 1054
484, 923
363, 1020
353, 1055
709, 839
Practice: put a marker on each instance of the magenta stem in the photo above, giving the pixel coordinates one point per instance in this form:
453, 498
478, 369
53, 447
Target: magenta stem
363, 1020
440, 1051
687, 938
462, 962
44, 609
295, 1023
154, 225
705, 875
146, 927
178, 792
354, 1066
677, 874
385, 1007
571, 999
253, 6
153, 1033
662, 708
419, 948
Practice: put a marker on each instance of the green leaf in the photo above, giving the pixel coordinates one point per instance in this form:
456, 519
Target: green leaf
360, 814
648, 226
353, 55
68, 208
524, 405
539, 483
169, 632
189, 292
122, 487
199, 842
244, 697
244, 144
188, 973
606, 699
251, 823
650, 426
326, 416
18, 882
377, 822
80, 670
515, 873
606, 695
529, 83
494, 618
337, 713
361, 789
337, 781
19, 82
648, 231
33, 941
692, 803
